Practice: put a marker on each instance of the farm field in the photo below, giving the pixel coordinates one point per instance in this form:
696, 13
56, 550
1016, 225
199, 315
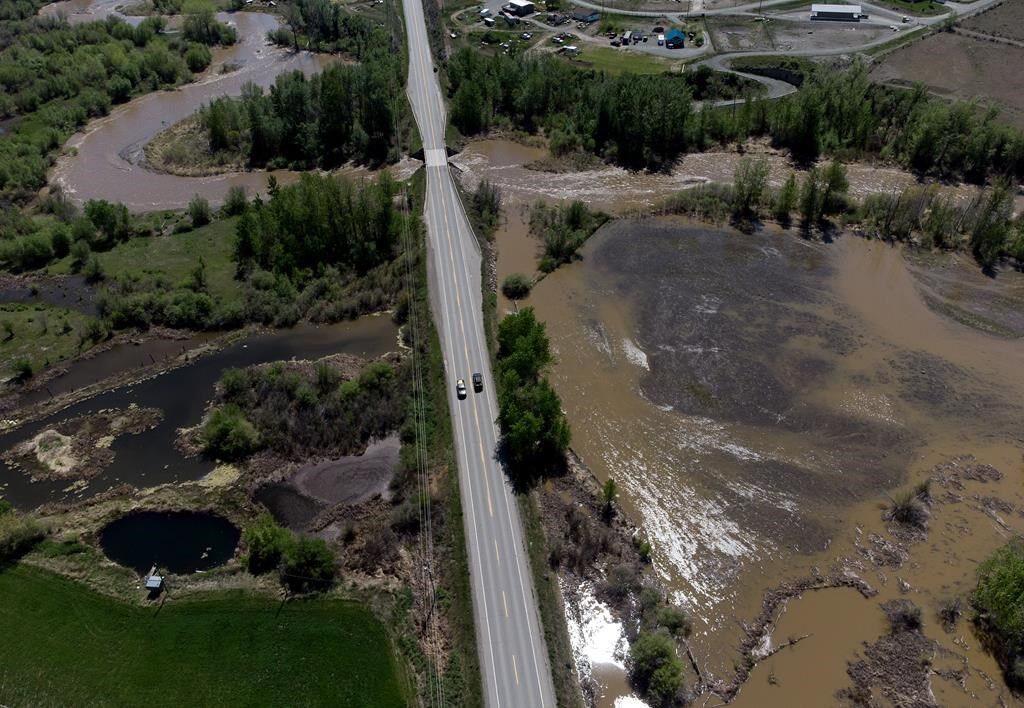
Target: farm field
1005, 20
66, 645
961, 67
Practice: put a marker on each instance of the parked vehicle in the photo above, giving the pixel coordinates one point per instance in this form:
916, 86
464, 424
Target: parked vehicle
616, 43
489, 21
658, 30
627, 37
526, 35
661, 40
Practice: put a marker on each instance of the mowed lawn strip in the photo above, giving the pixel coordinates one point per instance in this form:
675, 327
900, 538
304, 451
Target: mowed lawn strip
66, 645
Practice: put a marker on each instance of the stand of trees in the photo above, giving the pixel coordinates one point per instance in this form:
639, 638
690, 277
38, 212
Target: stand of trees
349, 112
55, 77
534, 430
649, 121
563, 229
318, 222
327, 26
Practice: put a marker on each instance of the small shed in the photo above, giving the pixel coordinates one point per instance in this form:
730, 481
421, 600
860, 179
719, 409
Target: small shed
154, 582
836, 13
674, 39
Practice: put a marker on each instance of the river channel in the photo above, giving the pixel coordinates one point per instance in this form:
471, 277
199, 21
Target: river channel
150, 458
757, 398
106, 160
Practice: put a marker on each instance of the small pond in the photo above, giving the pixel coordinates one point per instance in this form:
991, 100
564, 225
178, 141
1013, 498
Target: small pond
175, 541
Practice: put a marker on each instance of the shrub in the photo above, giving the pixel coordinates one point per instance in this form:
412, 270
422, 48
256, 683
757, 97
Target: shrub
516, 286
22, 369
80, 253
308, 566
18, 535
908, 508
93, 270
199, 210
198, 57
235, 202
676, 620
60, 242
654, 666
266, 544
1000, 609
227, 434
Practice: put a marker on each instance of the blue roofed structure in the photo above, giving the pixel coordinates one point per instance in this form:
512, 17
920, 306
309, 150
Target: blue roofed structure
674, 39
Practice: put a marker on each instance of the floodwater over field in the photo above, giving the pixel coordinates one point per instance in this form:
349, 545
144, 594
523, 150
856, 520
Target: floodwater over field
757, 397
150, 458
175, 541
107, 158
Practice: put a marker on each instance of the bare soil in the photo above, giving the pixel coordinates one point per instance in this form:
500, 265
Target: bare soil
1003, 20
961, 67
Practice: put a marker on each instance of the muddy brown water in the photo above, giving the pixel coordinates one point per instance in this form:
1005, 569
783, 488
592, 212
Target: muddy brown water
150, 458
756, 397
106, 160
347, 480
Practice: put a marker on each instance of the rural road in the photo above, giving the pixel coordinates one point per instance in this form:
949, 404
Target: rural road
510, 642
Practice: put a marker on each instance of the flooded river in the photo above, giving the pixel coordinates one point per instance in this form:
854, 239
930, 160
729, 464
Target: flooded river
105, 161
150, 458
757, 398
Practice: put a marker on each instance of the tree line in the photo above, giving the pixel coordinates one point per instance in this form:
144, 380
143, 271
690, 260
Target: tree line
349, 112
649, 121
55, 77
321, 25
922, 215
534, 430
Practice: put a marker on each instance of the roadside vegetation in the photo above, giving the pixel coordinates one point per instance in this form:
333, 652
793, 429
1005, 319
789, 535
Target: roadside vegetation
192, 651
534, 430
1000, 612
299, 411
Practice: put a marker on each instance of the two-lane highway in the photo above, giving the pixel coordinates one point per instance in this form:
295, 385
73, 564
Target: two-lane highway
510, 643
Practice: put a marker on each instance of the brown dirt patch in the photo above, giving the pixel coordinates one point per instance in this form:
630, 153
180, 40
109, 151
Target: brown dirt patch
79, 448
1004, 20
961, 67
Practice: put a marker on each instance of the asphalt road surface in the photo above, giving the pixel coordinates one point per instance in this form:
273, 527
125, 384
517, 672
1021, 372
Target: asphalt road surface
510, 643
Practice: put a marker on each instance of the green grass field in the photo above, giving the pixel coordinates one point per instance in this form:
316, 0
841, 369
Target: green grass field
619, 61
41, 334
64, 645
177, 255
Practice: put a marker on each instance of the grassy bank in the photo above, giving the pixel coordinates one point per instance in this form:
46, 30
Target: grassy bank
38, 336
65, 645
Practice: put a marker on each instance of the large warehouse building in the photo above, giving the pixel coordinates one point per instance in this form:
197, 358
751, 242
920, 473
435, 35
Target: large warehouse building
841, 13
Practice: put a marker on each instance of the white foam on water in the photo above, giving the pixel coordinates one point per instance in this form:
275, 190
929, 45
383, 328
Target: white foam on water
630, 701
635, 354
594, 633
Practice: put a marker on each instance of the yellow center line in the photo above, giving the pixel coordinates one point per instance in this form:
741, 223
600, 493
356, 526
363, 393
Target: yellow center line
465, 348
515, 669
504, 601
496, 554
